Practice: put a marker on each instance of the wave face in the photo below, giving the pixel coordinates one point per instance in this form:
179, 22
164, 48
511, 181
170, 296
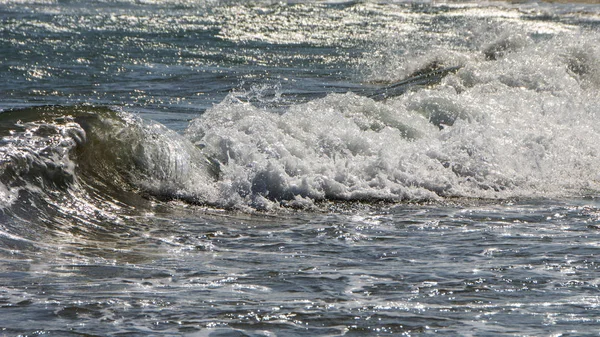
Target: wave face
92, 165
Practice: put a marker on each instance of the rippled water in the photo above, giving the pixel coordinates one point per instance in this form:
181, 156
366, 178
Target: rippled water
522, 268
249, 169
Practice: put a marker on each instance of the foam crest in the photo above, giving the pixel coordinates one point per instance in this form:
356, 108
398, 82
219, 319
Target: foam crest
342, 147
519, 124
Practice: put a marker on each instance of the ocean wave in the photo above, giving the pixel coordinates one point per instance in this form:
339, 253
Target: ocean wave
518, 124
94, 164
516, 120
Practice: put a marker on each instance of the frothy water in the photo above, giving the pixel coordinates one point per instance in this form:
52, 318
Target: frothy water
175, 168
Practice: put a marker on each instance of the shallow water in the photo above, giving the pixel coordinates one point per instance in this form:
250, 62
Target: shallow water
517, 268
222, 169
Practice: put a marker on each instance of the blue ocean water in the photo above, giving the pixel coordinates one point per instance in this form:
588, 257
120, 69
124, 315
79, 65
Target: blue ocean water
326, 168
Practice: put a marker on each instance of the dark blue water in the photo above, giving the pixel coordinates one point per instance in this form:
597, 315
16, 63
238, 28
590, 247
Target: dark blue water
218, 168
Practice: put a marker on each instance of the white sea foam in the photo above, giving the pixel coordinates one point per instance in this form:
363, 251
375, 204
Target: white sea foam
36, 156
7, 196
520, 124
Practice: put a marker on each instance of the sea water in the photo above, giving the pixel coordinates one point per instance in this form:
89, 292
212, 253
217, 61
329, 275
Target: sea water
222, 168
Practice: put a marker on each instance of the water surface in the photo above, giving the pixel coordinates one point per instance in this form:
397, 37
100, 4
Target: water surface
221, 169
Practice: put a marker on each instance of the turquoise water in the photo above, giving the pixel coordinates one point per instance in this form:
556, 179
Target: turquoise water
213, 168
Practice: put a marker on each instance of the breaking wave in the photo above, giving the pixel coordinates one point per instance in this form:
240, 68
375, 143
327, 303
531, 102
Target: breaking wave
517, 120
